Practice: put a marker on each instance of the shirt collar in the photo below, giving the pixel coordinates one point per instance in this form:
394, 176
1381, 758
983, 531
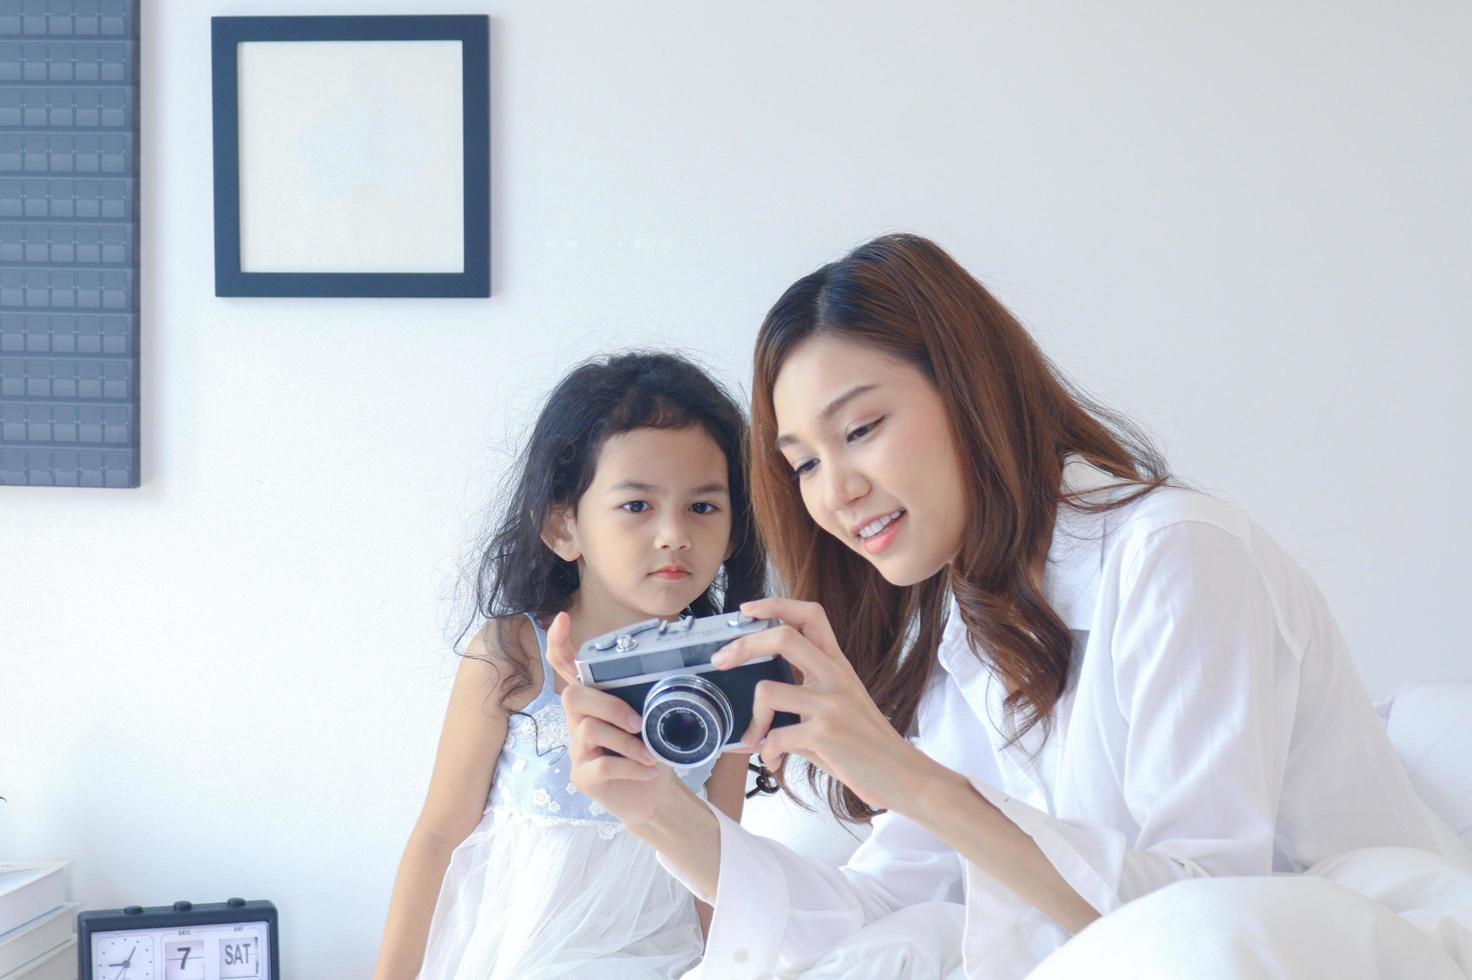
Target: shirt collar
1071, 576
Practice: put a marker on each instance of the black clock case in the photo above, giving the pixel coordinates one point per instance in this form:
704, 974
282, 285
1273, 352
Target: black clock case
173, 916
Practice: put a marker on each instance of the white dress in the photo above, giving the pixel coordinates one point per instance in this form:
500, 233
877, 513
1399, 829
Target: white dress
549, 884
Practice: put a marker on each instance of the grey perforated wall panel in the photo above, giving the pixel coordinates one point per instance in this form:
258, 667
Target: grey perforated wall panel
69, 243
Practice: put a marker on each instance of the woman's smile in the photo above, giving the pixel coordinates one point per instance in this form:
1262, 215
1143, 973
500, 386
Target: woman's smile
876, 535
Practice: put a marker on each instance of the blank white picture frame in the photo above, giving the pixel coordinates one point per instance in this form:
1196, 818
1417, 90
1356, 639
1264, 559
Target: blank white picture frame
351, 156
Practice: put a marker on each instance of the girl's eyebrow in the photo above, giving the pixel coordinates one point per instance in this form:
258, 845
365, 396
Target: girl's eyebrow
638, 487
831, 410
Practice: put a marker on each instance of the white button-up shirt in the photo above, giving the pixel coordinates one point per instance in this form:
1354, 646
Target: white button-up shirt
1214, 724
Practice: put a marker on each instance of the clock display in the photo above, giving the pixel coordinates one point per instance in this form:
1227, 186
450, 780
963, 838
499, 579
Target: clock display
123, 957
224, 951
240, 957
184, 960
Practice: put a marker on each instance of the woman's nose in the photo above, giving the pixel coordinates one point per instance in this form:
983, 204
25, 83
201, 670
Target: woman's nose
843, 487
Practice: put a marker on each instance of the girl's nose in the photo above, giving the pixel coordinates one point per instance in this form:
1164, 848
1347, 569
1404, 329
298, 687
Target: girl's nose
672, 536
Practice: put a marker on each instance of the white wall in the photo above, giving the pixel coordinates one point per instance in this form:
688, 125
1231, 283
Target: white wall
1246, 224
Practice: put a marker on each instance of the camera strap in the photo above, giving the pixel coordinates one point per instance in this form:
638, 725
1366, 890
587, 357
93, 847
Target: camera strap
766, 781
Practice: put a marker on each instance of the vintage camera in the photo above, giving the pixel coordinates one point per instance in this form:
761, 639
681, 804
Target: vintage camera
662, 670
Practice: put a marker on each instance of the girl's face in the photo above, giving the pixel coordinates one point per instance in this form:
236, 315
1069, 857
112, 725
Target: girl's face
871, 449
651, 531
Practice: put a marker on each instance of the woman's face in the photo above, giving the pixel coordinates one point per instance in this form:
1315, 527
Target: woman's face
871, 449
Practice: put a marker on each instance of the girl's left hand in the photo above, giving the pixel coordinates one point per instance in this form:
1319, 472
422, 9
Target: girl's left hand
841, 730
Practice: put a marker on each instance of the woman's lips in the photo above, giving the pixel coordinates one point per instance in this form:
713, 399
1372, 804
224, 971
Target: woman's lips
671, 573
880, 541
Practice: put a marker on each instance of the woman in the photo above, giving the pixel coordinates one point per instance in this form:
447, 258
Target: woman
1110, 684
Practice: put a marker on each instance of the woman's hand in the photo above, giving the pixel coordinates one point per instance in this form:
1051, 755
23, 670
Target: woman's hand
841, 730
600, 725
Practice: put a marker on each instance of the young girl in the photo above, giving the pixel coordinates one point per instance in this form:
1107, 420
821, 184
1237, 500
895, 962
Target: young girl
631, 503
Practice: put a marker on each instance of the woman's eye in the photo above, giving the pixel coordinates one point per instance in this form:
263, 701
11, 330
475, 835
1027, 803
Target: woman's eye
804, 468
636, 506
704, 508
864, 430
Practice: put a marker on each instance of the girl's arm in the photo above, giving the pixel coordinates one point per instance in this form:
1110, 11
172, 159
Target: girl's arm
727, 784
471, 740
726, 789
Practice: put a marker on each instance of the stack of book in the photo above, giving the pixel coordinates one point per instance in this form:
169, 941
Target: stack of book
37, 924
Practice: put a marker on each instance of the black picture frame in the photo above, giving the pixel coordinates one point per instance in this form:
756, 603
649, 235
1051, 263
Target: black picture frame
472, 31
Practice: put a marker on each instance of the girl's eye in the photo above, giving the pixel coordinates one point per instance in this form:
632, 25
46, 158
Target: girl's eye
804, 468
636, 506
864, 430
703, 507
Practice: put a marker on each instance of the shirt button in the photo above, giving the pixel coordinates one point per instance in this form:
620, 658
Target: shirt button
740, 956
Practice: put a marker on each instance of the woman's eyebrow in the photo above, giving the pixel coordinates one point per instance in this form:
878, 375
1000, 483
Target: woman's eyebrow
832, 408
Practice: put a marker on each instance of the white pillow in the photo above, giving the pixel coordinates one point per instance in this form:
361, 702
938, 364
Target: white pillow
1431, 728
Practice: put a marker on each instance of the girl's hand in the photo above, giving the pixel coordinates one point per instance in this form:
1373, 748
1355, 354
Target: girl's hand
841, 730
600, 724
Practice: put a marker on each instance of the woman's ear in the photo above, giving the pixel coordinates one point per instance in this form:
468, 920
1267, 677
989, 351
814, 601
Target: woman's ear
559, 533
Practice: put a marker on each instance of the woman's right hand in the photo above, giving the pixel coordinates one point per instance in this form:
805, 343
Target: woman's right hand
630, 784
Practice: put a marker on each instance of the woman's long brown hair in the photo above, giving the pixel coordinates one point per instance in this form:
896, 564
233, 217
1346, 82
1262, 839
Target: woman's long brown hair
1014, 419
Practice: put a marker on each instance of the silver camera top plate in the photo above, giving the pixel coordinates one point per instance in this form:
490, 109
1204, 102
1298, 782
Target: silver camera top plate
650, 649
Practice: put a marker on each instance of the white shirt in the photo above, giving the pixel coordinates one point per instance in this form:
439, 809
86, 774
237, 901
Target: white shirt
1214, 725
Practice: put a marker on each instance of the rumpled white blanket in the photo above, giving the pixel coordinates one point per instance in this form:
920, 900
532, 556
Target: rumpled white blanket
1376, 914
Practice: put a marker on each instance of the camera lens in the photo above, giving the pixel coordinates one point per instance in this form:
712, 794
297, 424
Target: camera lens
687, 720
682, 728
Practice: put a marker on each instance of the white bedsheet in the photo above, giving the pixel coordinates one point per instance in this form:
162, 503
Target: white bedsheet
1375, 914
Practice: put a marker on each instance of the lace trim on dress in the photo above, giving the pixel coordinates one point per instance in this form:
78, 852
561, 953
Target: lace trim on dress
607, 829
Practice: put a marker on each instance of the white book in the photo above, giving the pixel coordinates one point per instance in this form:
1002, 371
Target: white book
40, 935
30, 890
59, 964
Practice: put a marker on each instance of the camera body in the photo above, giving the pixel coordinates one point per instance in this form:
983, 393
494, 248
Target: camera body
691, 710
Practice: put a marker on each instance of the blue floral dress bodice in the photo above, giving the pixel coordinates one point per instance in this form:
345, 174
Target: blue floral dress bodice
533, 770
549, 884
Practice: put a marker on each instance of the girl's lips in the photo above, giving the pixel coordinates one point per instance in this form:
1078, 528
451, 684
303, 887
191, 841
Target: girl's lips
882, 540
672, 573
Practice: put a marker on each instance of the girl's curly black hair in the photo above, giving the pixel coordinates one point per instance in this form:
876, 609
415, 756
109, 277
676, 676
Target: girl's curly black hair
517, 573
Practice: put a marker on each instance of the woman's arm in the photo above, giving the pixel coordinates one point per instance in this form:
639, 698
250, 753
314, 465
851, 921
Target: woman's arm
862, 749
941, 801
842, 730
473, 733
1205, 683
780, 909
945, 803
726, 790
